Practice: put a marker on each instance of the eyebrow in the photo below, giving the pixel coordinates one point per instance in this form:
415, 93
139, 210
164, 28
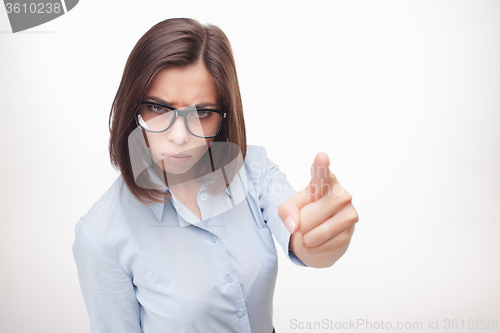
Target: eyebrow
161, 101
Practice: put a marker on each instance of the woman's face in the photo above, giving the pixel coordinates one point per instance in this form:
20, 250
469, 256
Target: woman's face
180, 87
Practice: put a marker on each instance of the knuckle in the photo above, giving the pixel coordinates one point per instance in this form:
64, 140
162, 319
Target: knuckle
347, 196
356, 216
307, 241
344, 238
352, 217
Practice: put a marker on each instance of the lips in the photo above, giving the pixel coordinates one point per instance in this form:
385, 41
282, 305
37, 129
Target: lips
178, 155
176, 158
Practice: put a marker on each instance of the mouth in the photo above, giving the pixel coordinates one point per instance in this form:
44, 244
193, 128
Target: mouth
178, 155
176, 158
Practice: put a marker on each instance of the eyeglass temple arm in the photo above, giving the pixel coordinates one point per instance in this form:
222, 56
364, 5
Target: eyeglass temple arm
142, 122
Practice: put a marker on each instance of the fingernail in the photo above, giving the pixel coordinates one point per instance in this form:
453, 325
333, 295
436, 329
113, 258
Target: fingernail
290, 224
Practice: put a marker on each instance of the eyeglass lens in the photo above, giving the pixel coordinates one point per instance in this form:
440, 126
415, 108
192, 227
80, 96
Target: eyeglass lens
200, 122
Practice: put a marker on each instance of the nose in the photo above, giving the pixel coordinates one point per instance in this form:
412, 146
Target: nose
178, 132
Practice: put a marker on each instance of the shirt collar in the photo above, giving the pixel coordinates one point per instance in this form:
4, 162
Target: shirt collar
157, 208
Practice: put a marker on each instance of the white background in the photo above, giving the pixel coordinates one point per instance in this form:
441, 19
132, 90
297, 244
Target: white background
403, 96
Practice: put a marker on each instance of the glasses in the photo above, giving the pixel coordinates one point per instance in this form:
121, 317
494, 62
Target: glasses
200, 122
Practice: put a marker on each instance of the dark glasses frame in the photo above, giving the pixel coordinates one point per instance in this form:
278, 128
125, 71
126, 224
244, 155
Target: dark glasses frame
183, 114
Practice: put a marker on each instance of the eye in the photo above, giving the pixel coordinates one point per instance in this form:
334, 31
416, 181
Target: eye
202, 114
157, 108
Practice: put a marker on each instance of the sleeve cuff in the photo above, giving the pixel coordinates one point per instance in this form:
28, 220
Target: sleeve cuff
282, 236
293, 258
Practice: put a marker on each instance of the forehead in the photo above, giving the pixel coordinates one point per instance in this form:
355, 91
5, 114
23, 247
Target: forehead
184, 86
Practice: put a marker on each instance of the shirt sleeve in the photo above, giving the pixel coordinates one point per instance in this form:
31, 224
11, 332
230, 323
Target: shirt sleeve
274, 190
107, 290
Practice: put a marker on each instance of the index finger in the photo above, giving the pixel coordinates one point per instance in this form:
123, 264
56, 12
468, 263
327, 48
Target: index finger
322, 179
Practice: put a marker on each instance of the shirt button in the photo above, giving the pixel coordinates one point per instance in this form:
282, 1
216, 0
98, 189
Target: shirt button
203, 197
239, 314
229, 278
213, 238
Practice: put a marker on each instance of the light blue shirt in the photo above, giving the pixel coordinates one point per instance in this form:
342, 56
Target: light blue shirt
144, 269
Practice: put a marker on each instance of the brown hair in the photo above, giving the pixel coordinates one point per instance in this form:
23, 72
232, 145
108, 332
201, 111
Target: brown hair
178, 42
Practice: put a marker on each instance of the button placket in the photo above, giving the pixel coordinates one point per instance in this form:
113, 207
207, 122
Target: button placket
231, 278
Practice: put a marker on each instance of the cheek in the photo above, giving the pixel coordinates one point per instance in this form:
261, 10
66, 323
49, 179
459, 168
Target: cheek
154, 139
155, 145
199, 147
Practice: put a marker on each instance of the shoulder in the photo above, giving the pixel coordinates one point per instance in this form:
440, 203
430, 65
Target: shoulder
110, 216
256, 161
258, 164
255, 152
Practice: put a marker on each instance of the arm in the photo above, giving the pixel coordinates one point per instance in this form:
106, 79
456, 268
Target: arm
273, 189
107, 290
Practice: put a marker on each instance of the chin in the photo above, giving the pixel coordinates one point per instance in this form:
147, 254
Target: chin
175, 170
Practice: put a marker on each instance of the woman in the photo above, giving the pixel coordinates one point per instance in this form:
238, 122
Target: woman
183, 239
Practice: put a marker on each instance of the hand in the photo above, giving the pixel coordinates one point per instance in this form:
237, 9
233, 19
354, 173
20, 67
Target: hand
322, 214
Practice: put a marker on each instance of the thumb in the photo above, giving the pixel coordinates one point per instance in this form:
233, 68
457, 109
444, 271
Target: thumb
289, 211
